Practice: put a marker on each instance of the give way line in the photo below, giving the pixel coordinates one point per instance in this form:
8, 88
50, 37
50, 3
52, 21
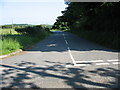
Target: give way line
80, 63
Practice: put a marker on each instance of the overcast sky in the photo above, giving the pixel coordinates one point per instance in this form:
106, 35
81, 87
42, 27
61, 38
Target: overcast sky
30, 11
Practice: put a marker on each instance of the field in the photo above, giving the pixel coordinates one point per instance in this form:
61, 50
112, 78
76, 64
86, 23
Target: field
8, 31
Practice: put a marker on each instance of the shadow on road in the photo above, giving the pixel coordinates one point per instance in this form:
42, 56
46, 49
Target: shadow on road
24, 75
57, 43
31, 75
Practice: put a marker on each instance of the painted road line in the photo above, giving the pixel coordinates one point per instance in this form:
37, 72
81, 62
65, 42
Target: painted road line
63, 36
76, 65
116, 63
89, 61
71, 56
2, 69
69, 66
65, 39
80, 64
69, 50
113, 60
102, 63
66, 42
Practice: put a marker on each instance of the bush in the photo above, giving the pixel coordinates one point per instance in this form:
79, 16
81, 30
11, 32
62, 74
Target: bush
35, 30
47, 29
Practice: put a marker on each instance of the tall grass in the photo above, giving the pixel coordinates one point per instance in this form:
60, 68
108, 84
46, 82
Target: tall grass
54, 30
15, 41
8, 31
10, 45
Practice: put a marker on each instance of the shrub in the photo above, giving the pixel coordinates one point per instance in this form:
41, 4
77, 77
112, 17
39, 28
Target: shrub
30, 30
47, 29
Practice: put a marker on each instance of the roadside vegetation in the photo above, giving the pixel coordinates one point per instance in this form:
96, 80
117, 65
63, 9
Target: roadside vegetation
54, 29
21, 37
95, 21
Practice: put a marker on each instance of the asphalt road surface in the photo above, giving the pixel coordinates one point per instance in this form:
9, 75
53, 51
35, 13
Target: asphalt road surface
62, 60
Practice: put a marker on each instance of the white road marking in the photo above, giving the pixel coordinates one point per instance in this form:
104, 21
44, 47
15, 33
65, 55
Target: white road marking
89, 61
63, 35
98, 62
71, 56
69, 51
116, 63
66, 42
102, 63
68, 65
2, 68
112, 60
80, 64
22, 67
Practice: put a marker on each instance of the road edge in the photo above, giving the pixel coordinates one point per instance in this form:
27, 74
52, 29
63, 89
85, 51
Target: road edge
13, 53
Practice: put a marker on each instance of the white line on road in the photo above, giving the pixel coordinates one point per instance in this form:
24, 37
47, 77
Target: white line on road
63, 35
113, 60
89, 61
69, 51
80, 65
69, 66
2, 68
72, 66
71, 56
98, 62
102, 63
66, 42
116, 63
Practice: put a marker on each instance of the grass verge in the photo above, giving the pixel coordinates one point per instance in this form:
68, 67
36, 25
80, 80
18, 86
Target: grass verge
12, 43
54, 30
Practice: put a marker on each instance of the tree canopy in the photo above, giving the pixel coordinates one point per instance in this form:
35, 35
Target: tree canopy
100, 18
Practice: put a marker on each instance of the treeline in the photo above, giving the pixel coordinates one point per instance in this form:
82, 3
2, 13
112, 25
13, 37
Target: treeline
9, 26
14, 26
98, 21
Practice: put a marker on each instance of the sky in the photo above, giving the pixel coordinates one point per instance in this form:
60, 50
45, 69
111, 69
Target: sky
30, 11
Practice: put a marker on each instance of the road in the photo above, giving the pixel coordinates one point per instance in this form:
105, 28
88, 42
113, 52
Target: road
62, 60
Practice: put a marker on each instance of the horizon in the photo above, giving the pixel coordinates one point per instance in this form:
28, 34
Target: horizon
31, 12
24, 23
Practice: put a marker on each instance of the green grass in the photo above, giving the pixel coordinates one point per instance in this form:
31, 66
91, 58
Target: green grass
10, 45
54, 30
11, 42
7, 31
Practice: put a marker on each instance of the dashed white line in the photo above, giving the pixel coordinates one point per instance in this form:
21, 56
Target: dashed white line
116, 63
69, 50
80, 64
89, 61
63, 35
98, 62
102, 63
112, 60
66, 42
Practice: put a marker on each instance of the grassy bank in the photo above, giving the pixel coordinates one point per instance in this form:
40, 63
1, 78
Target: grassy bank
105, 39
8, 31
15, 41
54, 30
